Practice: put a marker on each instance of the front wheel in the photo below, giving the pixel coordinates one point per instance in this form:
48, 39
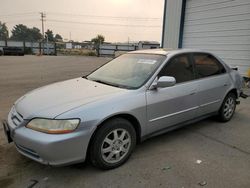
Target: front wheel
227, 109
113, 144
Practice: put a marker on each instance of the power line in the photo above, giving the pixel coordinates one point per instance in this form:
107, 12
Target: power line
65, 28
105, 17
18, 14
130, 19
83, 23
103, 24
83, 15
23, 20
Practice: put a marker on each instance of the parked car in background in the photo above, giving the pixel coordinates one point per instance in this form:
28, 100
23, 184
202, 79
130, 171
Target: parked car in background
13, 51
1, 51
133, 97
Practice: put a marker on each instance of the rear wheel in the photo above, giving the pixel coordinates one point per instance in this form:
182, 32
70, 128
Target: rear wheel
113, 144
227, 109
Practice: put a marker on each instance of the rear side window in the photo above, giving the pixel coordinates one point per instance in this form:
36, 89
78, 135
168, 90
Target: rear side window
180, 68
207, 65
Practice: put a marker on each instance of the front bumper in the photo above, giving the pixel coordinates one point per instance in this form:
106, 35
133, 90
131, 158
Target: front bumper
50, 149
7, 131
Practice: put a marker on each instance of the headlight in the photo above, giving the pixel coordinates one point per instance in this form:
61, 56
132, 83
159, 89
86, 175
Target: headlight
53, 126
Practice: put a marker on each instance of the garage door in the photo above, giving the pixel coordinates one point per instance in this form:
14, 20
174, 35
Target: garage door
219, 26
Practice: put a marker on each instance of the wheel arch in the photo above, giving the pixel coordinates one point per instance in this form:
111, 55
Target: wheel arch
234, 91
231, 90
132, 119
221, 116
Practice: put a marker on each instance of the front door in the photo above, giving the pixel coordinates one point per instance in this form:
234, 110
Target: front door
172, 105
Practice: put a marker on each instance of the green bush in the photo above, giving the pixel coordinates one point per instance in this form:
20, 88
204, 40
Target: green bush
77, 52
91, 53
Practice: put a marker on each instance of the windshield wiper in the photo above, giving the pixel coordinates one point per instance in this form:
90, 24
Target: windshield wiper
103, 82
111, 84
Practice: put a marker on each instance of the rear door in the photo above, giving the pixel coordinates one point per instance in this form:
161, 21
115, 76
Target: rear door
212, 80
172, 105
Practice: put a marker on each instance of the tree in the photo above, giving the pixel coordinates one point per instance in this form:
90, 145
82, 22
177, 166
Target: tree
99, 39
19, 32
35, 34
50, 35
58, 38
23, 33
4, 33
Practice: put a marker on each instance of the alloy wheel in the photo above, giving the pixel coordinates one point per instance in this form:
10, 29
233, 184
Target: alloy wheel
229, 107
116, 145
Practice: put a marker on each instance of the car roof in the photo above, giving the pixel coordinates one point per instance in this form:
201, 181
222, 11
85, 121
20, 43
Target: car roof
166, 51
169, 51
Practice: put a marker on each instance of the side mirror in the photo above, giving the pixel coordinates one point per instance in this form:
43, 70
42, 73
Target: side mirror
163, 81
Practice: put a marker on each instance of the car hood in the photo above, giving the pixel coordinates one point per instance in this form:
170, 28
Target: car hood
52, 100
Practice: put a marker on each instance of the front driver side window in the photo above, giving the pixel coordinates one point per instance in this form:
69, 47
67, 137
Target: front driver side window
180, 68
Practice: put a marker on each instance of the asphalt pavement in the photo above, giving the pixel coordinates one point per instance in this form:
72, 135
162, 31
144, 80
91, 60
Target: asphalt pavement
204, 154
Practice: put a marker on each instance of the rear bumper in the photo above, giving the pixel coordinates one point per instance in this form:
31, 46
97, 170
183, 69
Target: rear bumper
51, 149
244, 96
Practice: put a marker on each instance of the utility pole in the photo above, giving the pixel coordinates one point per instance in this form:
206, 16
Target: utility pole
128, 43
42, 19
47, 40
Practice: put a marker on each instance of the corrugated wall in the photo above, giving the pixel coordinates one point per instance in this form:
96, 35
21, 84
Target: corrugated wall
222, 27
172, 23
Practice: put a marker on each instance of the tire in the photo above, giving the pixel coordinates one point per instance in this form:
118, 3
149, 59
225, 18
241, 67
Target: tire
113, 144
227, 108
1, 53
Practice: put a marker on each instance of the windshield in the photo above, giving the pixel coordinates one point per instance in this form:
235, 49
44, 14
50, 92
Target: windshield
128, 71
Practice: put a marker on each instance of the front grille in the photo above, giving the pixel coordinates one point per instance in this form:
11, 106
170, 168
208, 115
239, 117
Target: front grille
16, 118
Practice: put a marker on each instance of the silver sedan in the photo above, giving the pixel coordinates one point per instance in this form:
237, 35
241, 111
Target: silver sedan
133, 97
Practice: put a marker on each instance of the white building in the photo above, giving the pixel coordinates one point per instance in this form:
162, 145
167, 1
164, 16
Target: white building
114, 49
219, 26
148, 45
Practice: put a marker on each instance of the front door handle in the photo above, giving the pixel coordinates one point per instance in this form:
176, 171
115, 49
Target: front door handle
193, 92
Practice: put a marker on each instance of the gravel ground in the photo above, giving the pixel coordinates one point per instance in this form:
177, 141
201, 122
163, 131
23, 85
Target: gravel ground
204, 154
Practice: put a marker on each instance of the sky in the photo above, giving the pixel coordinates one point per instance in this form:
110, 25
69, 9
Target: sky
80, 20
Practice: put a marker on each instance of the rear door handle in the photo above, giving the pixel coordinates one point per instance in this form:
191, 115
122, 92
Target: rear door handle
225, 85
